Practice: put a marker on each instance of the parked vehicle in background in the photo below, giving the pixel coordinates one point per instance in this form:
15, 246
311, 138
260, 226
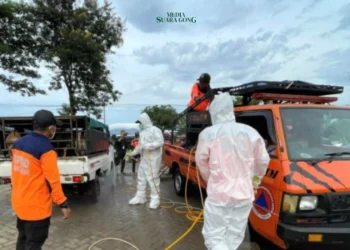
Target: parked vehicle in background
304, 198
83, 147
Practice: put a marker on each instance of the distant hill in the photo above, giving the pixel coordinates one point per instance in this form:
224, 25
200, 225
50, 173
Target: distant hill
130, 131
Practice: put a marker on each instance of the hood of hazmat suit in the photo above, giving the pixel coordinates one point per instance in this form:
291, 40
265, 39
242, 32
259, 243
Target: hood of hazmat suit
150, 148
228, 156
145, 120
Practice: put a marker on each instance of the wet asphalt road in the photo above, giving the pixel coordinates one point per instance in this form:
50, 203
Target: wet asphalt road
113, 217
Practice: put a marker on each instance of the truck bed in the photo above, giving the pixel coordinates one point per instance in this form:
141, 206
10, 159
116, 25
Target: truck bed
79, 135
176, 156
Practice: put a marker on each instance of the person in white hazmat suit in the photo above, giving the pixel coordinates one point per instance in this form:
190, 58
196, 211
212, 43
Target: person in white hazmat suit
232, 158
150, 148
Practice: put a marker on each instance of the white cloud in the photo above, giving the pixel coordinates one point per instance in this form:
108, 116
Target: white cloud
235, 41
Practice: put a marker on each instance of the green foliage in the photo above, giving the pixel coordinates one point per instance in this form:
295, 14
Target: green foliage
75, 40
18, 48
181, 126
161, 115
65, 109
239, 101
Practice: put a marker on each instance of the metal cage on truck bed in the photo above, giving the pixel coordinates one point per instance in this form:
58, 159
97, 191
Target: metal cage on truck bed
78, 136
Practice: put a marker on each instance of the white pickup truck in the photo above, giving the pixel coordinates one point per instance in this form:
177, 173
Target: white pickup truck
83, 147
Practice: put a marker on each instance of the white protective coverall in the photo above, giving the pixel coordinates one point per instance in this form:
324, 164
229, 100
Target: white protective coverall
228, 156
150, 148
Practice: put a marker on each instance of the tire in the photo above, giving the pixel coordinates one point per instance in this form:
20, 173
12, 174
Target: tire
179, 183
94, 190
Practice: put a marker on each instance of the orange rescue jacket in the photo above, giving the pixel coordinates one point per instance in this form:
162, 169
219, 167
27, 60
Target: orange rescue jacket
134, 143
197, 93
35, 178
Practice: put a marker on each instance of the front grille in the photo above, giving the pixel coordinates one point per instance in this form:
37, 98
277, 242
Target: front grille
340, 202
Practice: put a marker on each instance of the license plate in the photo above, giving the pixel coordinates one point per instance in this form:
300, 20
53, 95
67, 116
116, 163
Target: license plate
67, 178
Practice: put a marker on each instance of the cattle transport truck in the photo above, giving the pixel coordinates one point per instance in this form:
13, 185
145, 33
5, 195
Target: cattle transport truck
82, 145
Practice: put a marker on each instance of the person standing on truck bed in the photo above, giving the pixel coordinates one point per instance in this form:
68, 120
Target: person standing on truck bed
198, 90
121, 146
36, 182
232, 158
134, 144
150, 148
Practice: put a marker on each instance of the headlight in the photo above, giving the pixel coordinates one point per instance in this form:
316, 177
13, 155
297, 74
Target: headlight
290, 203
308, 203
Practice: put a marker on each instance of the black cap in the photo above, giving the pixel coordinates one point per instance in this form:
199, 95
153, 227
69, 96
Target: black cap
205, 78
44, 118
138, 121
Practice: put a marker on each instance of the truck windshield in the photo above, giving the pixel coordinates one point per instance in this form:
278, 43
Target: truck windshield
316, 133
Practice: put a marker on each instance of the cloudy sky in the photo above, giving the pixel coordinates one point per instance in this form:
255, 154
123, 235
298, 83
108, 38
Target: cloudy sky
234, 41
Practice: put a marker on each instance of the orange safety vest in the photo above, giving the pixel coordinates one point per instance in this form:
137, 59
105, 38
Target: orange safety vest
134, 143
197, 93
35, 178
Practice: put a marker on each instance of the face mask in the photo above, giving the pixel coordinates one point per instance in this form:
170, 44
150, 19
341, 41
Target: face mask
141, 127
53, 133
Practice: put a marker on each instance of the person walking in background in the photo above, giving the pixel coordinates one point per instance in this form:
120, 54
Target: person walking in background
232, 158
36, 182
121, 147
134, 144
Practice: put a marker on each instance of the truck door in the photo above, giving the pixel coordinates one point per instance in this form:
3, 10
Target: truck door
264, 215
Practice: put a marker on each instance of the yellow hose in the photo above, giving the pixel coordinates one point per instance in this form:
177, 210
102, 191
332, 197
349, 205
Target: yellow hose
191, 215
115, 239
194, 214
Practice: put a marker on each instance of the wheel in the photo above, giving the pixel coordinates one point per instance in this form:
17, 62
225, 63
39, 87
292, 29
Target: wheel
94, 190
179, 183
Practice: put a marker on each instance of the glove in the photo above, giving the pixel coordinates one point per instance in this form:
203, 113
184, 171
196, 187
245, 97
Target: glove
256, 182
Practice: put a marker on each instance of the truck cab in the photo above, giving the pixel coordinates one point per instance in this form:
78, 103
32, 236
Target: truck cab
304, 198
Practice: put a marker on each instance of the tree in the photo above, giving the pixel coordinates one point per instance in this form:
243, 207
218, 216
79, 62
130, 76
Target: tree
75, 41
181, 126
65, 109
239, 101
18, 48
161, 116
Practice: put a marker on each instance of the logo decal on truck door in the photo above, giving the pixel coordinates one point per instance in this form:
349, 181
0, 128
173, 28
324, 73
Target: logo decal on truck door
264, 204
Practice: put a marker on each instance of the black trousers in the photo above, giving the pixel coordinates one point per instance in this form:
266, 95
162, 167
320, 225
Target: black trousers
120, 159
32, 234
134, 162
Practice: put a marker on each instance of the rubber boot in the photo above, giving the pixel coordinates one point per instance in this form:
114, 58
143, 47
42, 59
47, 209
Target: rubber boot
154, 204
155, 199
139, 198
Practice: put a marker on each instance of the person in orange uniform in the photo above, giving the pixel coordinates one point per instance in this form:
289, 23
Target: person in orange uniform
36, 182
198, 90
134, 144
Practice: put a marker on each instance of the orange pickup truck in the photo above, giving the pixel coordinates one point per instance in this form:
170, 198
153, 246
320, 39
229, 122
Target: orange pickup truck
304, 198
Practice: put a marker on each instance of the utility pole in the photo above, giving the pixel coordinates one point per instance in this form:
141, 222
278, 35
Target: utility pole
104, 114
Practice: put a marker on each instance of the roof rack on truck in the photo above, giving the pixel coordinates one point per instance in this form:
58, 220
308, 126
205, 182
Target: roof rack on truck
292, 91
250, 90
